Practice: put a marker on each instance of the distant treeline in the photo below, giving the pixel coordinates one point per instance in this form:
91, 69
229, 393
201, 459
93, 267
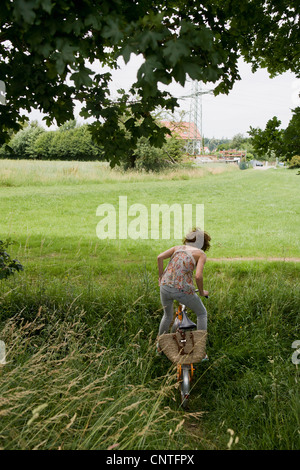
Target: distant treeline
74, 142
69, 142
238, 142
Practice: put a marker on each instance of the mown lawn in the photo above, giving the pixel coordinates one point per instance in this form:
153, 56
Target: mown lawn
247, 213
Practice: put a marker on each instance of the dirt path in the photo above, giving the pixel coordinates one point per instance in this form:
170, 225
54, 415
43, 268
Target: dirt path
294, 260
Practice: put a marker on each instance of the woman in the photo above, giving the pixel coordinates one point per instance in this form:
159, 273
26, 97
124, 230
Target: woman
176, 281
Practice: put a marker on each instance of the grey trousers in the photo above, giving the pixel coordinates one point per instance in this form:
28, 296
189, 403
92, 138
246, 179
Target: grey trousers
167, 295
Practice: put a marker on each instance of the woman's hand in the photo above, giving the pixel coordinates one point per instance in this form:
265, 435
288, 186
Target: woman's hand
204, 293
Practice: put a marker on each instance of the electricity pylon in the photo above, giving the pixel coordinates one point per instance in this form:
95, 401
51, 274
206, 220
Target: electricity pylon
195, 123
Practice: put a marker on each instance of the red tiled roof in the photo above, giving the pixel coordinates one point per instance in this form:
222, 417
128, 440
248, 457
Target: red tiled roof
182, 130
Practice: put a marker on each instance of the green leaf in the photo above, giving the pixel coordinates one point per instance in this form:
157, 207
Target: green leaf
47, 5
212, 74
24, 9
126, 53
203, 38
112, 31
149, 39
146, 71
52, 71
194, 70
152, 19
44, 48
93, 20
67, 52
179, 74
163, 76
175, 50
81, 77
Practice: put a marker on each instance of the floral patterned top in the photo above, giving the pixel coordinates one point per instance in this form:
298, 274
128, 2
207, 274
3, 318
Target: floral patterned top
179, 272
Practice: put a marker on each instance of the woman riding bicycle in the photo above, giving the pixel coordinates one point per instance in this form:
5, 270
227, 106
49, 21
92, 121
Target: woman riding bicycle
176, 281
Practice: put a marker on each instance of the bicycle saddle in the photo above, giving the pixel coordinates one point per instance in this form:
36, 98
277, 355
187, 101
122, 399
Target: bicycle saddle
186, 323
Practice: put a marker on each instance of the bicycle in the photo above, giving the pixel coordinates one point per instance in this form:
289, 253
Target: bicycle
185, 371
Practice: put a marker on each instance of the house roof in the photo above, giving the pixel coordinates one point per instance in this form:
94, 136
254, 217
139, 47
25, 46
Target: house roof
183, 130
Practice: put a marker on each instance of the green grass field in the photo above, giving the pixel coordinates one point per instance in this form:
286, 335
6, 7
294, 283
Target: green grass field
80, 322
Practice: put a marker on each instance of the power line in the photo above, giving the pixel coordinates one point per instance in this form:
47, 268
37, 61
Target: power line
192, 95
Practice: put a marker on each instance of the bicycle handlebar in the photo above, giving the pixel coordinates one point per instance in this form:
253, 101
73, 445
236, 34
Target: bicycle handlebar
206, 296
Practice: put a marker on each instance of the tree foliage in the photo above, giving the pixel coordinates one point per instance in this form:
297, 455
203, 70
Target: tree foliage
150, 158
22, 143
69, 142
46, 47
214, 144
273, 141
291, 136
239, 142
295, 162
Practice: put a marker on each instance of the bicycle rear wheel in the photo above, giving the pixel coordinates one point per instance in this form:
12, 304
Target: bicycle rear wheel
185, 385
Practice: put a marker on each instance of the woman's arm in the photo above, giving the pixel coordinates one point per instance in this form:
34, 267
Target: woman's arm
160, 260
199, 274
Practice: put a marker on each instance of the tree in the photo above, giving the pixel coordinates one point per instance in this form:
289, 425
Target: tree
71, 124
215, 144
291, 136
22, 142
273, 141
295, 162
69, 142
149, 158
46, 47
239, 142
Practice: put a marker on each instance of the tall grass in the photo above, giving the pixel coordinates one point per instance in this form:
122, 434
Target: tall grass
82, 372
27, 172
71, 386
254, 321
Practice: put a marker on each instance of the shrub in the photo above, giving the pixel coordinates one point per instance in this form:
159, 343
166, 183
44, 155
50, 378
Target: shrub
295, 162
68, 143
173, 149
150, 158
43, 146
22, 144
8, 266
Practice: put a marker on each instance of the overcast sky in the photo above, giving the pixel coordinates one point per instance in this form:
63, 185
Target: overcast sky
254, 100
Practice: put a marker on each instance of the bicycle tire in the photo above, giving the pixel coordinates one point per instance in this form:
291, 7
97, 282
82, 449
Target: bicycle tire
185, 385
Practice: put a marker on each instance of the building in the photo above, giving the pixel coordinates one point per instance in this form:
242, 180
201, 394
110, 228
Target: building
188, 133
232, 155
